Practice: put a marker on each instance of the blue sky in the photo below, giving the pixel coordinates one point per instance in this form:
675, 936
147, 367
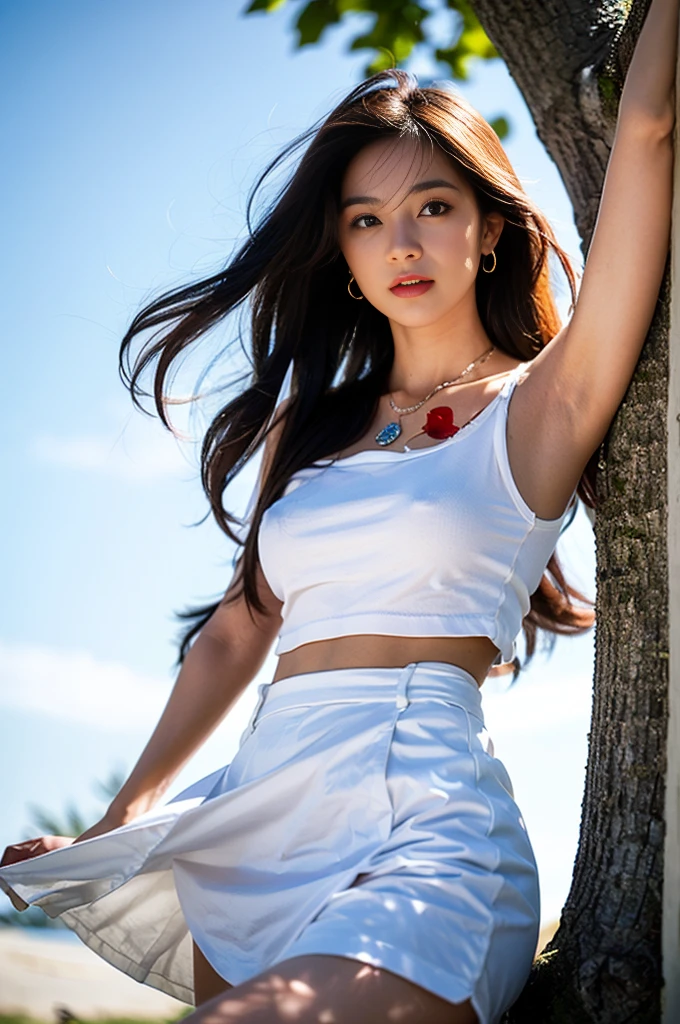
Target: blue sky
132, 133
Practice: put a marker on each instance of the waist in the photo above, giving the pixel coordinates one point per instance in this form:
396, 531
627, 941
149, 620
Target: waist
473, 654
424, 680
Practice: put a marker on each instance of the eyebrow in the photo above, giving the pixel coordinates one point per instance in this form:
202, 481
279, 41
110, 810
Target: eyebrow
421, 186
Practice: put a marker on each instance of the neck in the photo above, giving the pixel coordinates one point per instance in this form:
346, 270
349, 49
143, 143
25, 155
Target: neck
427, 356
418, 384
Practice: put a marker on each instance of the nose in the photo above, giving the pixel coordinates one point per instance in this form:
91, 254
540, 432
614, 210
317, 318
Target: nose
403, 244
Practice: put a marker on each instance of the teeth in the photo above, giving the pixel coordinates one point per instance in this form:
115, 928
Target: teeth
416, 280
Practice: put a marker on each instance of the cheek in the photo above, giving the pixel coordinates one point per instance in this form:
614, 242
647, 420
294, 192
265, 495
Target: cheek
361, 255
454, 237
454, 250
348, 236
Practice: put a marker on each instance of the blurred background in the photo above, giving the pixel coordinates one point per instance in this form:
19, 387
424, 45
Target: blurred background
131, 135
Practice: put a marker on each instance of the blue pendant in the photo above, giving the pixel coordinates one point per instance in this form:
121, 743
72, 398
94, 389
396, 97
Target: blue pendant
388, 434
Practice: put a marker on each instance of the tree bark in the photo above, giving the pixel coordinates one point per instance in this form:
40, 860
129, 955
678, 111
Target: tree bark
604, 963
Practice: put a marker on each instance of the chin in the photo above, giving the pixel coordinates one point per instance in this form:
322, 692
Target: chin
421, 317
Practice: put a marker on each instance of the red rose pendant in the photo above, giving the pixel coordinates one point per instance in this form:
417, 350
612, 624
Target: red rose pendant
439, 424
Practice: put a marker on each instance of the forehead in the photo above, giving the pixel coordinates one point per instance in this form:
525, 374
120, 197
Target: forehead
387, 167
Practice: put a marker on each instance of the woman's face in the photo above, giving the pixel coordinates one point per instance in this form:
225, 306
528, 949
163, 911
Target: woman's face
411, 217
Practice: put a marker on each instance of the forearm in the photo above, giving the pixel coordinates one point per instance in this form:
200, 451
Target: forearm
649, 89
209, 682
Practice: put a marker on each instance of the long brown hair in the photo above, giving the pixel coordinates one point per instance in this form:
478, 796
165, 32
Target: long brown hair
291, 272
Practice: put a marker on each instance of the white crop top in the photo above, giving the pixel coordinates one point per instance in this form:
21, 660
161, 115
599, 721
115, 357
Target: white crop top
433, 542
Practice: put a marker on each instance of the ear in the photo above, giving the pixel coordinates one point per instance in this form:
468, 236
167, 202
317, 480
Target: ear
493, 227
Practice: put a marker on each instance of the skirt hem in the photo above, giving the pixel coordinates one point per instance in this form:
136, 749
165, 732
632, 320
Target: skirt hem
123, 963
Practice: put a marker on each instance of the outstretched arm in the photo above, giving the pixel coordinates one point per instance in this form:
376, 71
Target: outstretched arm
583, 374
224, 658
222, 661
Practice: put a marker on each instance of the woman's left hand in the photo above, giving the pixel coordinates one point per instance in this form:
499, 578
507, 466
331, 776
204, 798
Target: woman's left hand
33, 848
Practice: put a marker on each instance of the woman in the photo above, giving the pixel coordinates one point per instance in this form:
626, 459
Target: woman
426, 428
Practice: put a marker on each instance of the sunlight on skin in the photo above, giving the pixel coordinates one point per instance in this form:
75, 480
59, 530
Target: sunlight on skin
330, 990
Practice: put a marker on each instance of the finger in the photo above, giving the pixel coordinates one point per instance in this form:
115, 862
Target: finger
19, 852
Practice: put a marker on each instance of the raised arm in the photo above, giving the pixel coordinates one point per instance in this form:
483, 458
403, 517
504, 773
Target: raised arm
576, 384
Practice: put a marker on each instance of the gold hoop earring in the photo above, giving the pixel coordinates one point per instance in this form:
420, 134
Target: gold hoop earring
349, 288
492, 253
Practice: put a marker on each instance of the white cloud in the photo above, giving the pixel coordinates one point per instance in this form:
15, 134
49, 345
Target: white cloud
74, 685
140, 450
140, 455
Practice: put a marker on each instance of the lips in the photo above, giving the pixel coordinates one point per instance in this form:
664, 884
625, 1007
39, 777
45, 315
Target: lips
409, 279
410, 285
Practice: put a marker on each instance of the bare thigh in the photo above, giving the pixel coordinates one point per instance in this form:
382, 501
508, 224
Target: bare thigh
324, 989
207, 982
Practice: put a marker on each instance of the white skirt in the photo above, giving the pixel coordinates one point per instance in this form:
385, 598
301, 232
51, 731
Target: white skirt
363, 815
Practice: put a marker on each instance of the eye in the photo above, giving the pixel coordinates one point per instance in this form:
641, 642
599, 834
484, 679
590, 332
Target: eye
364, 217
436, 208
443, 207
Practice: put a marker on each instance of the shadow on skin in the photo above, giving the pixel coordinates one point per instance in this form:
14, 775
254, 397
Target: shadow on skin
325, 989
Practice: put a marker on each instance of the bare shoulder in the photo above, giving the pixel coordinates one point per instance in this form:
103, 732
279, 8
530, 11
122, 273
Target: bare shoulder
547, 448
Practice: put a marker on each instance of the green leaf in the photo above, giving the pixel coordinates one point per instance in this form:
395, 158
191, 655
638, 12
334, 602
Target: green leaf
501, 127
394, 32
314, 19
396, 29
398, 45
264, 5
353, 6
382, 62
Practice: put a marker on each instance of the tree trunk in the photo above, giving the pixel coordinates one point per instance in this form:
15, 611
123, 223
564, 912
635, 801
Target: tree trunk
604, 963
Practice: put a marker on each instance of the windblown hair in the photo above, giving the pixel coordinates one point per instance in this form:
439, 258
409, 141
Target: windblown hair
293, 275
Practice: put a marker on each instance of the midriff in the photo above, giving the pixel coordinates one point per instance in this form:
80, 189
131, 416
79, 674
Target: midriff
474, 654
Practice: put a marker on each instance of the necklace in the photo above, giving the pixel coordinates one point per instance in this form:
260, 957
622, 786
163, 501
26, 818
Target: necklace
389, 433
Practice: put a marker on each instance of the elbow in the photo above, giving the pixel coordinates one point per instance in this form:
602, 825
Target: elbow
651, 125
